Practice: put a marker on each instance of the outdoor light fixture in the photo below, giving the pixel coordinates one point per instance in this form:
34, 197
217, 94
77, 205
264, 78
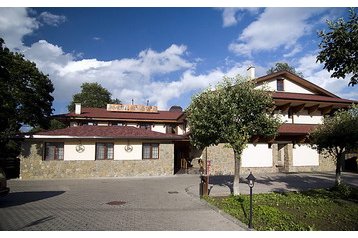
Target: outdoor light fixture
251, 182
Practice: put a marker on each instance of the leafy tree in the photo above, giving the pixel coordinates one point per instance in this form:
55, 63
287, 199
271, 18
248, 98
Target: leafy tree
232, 113
279, 66
340, 48
92, 95
336, 136
54, 125
25, 98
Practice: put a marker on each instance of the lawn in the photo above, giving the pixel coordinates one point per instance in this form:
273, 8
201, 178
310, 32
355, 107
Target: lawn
320, 209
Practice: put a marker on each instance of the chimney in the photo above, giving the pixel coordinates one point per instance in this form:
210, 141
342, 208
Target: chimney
78, 108
251, 72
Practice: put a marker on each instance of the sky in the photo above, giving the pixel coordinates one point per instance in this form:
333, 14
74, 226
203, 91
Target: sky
166, 54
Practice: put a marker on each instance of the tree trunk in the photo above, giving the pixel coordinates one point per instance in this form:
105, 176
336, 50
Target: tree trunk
340, 161
236, 189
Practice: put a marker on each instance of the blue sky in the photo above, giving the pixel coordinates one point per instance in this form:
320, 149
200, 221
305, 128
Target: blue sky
166, 55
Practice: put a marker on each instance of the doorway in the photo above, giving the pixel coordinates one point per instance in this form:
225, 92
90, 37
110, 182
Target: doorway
181, 157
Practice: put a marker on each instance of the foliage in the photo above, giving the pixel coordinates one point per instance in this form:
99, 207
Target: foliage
25, 98
279, 66
337, 135
294, 211
54, 125
92, 95
233, 113
339, 47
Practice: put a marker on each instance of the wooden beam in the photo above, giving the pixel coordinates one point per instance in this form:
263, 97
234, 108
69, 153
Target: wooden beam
255, 139
297, 109
326, 110
312, 109
283, 107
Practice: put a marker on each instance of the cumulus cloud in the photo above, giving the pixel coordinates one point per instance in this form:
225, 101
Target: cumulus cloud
127, 78
315, 73
276, 27
51, 19
14, 24
231, 16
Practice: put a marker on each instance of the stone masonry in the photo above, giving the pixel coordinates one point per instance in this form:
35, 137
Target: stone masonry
222, 162
32, 165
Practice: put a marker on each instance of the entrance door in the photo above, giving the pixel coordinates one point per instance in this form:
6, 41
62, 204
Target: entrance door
181, 156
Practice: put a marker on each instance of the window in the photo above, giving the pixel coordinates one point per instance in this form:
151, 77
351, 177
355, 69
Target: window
146, 126
150, 151
54, 151
104, 151
170, 129
280, 86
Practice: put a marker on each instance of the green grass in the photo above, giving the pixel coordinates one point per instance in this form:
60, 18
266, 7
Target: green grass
333, 209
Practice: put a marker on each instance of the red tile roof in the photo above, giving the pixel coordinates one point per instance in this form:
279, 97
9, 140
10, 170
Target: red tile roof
103, 113
296, 129
119, 132
309, 97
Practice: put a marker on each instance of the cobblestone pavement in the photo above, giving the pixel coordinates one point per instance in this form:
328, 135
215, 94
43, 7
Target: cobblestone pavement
159, 203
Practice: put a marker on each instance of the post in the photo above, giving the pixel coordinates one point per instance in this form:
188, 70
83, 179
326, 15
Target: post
250, 219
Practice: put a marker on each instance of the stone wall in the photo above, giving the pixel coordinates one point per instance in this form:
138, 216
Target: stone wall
222, 162
32, 165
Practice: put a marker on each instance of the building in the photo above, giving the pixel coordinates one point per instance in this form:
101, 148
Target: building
301, 106
117, 141
137, 140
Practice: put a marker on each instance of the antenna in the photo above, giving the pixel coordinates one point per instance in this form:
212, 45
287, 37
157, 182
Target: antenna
147, 102
132, 101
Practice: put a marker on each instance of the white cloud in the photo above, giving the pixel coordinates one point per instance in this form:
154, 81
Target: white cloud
126, 79
231, 16
276, 27
51, 19
14, 24
315, 73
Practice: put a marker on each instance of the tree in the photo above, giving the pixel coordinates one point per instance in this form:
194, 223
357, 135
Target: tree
336, 136
279, 66
340, 48
25, 98
92, 95
54, 125
232, 113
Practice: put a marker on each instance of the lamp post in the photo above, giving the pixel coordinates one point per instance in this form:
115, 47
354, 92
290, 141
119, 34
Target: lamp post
251, 182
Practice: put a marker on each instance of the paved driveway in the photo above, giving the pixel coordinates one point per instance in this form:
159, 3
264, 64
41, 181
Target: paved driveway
160, 203
153, 203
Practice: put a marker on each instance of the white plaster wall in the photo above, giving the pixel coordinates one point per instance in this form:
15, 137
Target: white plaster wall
121, 154
304, 118
102, 124
159, 128
303, 155
289, 86
132, 124
307, 119
292, 87
70, 152
257, 156
181, 130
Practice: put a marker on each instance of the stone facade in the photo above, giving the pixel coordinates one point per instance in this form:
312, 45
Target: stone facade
32, 165
222, 162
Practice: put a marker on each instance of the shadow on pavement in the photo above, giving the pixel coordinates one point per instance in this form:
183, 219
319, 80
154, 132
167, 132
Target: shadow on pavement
286, 182
20, 198
39, 221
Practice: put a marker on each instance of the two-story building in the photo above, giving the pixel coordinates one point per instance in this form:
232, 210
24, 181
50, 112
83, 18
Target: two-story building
138, 140
301, 106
